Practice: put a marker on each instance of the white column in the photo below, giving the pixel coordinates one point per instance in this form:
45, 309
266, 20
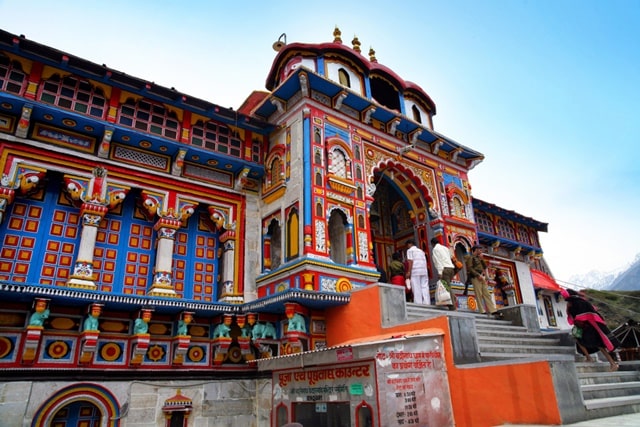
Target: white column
82, 276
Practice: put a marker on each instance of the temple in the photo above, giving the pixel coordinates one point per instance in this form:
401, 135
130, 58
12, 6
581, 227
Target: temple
168, 261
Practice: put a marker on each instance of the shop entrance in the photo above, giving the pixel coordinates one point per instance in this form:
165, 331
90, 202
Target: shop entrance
322, 414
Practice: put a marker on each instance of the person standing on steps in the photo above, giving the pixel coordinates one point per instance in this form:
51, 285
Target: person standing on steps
476, 267
594, 334
444, 267
418, 273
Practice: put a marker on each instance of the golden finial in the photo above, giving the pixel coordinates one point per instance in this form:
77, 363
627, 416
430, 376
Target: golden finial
356, 44
336, 35
372, 55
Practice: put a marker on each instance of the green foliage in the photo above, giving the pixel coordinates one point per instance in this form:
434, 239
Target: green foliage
615, 306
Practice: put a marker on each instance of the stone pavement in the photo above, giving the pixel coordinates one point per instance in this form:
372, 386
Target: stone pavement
628, 420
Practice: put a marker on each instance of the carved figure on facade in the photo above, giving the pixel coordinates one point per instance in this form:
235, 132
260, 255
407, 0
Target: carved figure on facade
183, 324
40, 314
91, 322
263, 331
297, 323
221, 331
141, 325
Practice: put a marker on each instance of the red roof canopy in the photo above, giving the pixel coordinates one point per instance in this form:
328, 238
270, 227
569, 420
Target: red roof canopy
544, 281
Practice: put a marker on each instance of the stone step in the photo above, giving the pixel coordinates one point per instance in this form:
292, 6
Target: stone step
589, 378
517, 340
487, 356
603, 390
525, 349
612, 406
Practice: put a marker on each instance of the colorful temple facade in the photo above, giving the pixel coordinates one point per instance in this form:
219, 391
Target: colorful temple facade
162, 257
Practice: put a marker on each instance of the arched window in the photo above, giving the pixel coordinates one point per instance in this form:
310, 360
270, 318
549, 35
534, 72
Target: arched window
148, 117
276, 244
338, 237
458, 208
338, 163
216, 137
81, 413
343, 77
293, 235
364, 415
282, 415
505, 229
276, 171
75, 95
317, 157
416, 114
484, 222
12, 79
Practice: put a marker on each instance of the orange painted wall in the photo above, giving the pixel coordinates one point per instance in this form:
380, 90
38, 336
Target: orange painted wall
481, 396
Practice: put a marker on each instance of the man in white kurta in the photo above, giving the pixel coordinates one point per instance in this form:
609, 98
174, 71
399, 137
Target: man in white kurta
444, 267
418, 273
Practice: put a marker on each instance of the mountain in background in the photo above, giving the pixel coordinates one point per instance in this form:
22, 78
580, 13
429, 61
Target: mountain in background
623, 279
594, 279
628, 280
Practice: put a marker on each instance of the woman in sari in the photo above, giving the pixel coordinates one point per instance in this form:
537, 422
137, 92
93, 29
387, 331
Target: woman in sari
594, 334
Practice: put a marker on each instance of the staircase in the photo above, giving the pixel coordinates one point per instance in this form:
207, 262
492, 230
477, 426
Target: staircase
604, 393
607, 394
500, 339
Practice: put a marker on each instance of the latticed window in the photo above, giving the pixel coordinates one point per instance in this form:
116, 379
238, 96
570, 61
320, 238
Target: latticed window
75, 95
12, 79
216, 137
523, 236
256, 151
506, 230
148, 117
276, 171
484, 223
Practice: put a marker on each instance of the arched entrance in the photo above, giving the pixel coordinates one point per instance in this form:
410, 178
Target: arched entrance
402, 209
80, 404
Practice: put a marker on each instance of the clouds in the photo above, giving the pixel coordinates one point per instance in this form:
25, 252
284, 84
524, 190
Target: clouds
546, 90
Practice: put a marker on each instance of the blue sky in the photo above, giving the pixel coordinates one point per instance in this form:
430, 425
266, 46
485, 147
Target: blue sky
547, 90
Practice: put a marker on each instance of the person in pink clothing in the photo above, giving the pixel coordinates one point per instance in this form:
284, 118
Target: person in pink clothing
418, 273
594, 334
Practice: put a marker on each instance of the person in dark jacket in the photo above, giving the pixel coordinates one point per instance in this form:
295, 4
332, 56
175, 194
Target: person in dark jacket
594, 334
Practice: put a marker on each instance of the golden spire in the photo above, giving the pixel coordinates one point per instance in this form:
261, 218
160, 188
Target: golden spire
356, 44
336, 35
372, 55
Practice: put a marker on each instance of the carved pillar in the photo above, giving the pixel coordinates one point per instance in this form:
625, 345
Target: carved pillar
349, 236
162, 285
82, 276
228, 264
173, 211
95, 197
267, 252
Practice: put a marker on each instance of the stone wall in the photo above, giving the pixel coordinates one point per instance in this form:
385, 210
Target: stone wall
229, 403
